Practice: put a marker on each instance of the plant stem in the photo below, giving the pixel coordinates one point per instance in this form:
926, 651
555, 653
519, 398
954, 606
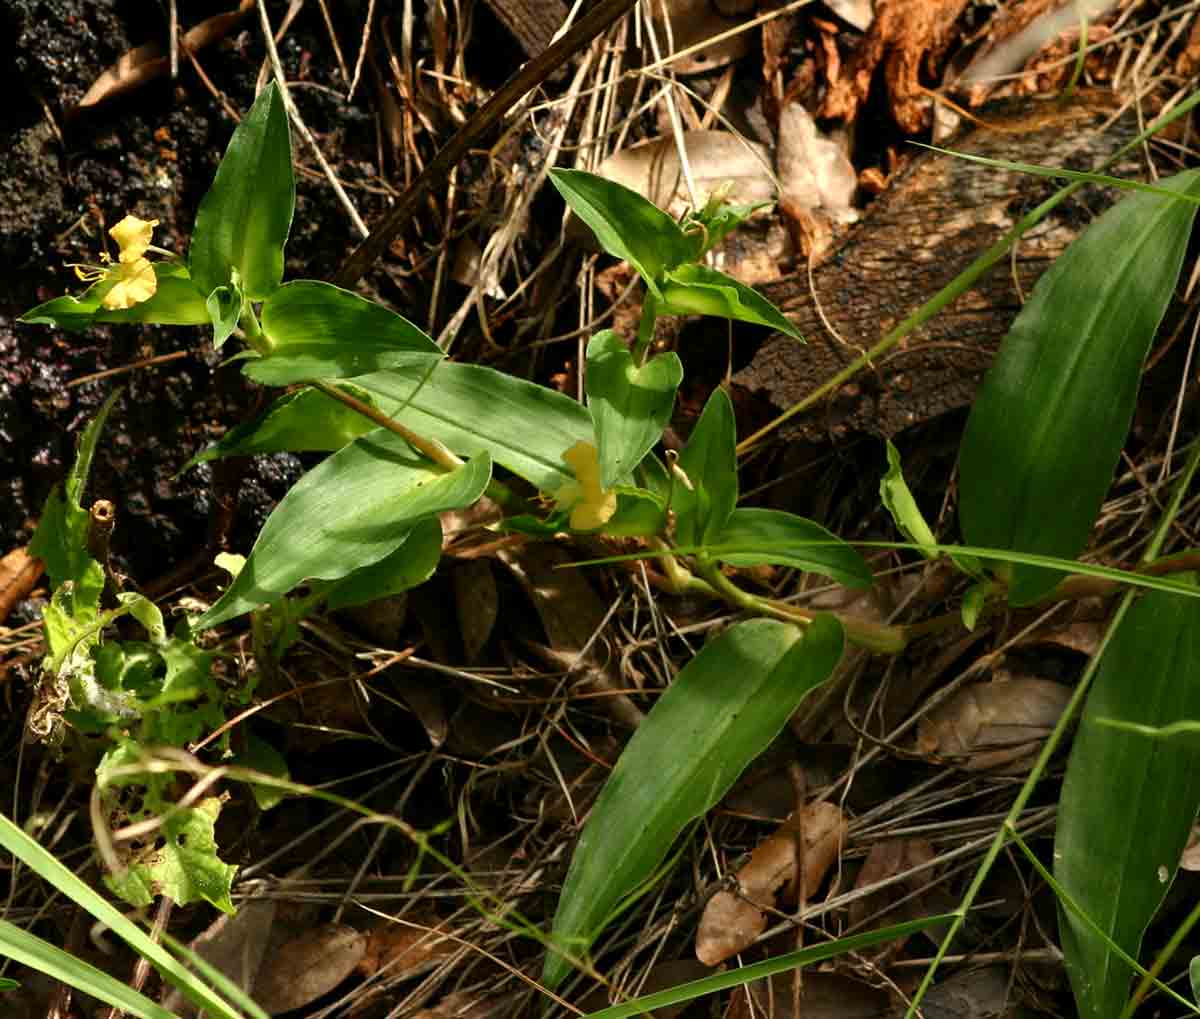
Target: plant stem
645, 336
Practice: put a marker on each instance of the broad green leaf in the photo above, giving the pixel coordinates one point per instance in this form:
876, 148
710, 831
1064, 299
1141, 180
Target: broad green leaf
472, 409
639, 514
411, 564
350, 511
710, 462
698, 290
32, 951
626, 224
754, 537
1128, 802
303, 421
176, 302
721, 712
185, 868
242, 224
224, 308
47, 866
1047, 428
630, 406
319, 331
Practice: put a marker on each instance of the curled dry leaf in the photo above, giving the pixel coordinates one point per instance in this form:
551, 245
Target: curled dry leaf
308, 966
691, 23
996, 725
233, 945
817, 181
807, 843
908, 37
145, 63
19, 571
716, 157
909, 895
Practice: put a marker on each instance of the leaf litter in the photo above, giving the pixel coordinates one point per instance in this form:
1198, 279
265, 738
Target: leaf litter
544, 678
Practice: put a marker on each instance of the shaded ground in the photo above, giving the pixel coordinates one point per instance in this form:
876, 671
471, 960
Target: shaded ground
509, 763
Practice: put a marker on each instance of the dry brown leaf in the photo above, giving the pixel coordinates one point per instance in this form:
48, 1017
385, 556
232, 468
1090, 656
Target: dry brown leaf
822, 996
235, 946
652, 169
999, 725
906, 37
145, 63
19, 572
692, 22
477, 602
308, 966
424, 699
817, 181
731, 922
404, 950
886, 860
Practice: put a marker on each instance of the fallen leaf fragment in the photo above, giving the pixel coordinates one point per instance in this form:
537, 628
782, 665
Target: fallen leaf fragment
996, 725
905, 898
19, 572
817, 181
145, 63
308, 966
907, 37
807, 843
235, 946
404, 950
477, 601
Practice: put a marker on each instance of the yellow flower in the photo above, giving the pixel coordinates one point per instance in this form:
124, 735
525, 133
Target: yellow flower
132, 275
133, 237
591, 505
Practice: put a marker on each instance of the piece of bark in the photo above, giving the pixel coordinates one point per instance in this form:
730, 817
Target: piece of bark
939, 214
532, 22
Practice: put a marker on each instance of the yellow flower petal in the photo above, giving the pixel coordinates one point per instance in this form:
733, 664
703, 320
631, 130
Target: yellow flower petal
136, 283
133, 238
592, 505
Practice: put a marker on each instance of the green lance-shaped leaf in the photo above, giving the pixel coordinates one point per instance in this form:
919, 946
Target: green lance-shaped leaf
1128, 802
720, 713
319, 331
709, 460
473, 409
176, 302
630, 406
1048, 425
350, 511
242, 224
60, 540
300, 422
756, 537
626, 224
698, 290
411, 564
